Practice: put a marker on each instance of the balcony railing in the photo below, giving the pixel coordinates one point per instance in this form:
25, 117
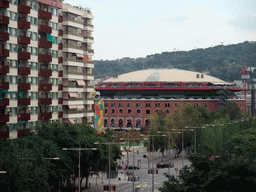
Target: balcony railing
4, 52
45, 72
44, 87
23, 9
23, 40
24, 117
60, 87
60, 101
24, 86
23, 55
60, 46
4, 3
45, 115
4, 134
44, 43
90, 50
60, 59
44, 29
22, 24
23, 101
4, 69
44, 14
4, 36
60, 114
60, 73
4, 85
60, 32
44, 58
44, 101
24, 71
4, 102
3, 19
60, 18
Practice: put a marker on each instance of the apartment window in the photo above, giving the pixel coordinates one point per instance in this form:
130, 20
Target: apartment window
138, 104
157, 104
138, 110
147, 111
129, 111
167, 104
176, 104
195, 104
106, 110
147, 104
129, 104
168, 111
113, 110
106, 104
121, 111
121, 104
205, 104
112, 104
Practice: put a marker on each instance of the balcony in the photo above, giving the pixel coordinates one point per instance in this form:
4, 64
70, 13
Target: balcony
44, 101
60, 46
44, 43
60, 73
24, 71
44, 87
60, 101
4, 85
44, 115
60, 114
44, 58
44, 29
4, 20
4, 3
60, 60
60, 18
60, 87
4, 102
23, 55
60, 32
22, 24
24, 40
4, 69
23, 86
23, 9
4, 36
4, 134
23, 101
44, 14
45, 72
4, 52
24, 117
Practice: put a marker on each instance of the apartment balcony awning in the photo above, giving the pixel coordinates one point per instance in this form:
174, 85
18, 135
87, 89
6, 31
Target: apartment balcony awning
80, 82
72, 106
80, 107
73, 95
71, 121
80, 55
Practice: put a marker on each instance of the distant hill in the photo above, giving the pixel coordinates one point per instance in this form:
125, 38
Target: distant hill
222, 62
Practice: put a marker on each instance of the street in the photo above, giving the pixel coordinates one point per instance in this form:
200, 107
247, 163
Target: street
123, 185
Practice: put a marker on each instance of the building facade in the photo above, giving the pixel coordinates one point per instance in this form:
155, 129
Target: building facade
77, 65
32, 65
131, 98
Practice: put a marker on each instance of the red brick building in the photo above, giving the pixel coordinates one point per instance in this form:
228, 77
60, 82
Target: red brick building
131, 98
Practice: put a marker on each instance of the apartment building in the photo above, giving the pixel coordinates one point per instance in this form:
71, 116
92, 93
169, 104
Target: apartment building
30, 65
77, 64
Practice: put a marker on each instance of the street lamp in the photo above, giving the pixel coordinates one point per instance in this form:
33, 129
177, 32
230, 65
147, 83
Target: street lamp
109, 143
78, 149
194, 128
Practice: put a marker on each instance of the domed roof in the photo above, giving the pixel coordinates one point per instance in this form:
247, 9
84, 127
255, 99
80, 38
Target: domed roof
164, 75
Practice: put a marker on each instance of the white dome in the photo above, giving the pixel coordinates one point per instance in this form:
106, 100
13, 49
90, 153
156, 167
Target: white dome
164, 75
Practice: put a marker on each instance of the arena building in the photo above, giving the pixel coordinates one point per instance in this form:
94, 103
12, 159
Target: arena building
132, 97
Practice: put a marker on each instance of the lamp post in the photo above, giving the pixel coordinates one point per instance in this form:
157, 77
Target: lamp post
194, 128
109, 143
79, 149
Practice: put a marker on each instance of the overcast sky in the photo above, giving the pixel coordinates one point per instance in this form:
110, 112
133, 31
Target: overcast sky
137, 28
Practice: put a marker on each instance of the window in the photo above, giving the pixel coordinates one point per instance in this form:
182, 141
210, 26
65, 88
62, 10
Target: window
129, 111
129, 104
195, 104
120, 110
147, 104
138, 104
147, 111
106, 104
106, 110
138, 111
205, 104
167, 104
176, 104
112, 104
168, 111
157, 104
121, 104
112, 110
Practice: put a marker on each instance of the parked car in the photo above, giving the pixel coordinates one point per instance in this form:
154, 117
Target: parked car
164, 165
131, 167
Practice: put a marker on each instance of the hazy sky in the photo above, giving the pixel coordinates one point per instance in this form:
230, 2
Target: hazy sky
136, 28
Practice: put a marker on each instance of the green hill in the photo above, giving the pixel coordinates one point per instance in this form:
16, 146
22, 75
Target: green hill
223, 62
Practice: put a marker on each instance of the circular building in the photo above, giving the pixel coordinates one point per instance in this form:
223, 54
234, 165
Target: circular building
132, 97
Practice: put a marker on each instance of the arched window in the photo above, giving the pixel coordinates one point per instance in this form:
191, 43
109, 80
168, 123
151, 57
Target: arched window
120, 123
105, 123
113, 110
156, 110
138, 123
147, 111
168, 111
129, 123
129, 111
113, 122
138, 111
147, 123
121, 111
106, 110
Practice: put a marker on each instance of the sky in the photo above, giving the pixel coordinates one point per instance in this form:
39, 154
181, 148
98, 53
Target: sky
137, 28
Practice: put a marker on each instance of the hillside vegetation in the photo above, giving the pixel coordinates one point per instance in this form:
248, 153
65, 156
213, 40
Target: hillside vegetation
223, 62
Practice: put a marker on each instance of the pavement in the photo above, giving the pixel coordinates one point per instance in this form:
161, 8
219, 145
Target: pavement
122, 184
